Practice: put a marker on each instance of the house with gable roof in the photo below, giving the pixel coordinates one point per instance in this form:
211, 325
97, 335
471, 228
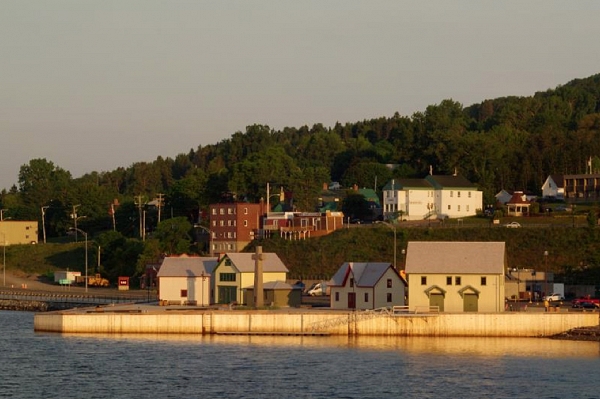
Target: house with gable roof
456, 276
554, 187
186, 280
435, 196
235, 271
367, 285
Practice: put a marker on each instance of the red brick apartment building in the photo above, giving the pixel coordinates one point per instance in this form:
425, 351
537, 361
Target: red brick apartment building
233, 225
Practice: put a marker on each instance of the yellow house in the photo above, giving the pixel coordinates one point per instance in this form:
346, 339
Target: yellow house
235, 271
186, 280
456, 276
14, 232
363, 286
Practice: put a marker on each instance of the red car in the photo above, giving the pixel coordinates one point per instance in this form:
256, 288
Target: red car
585, 303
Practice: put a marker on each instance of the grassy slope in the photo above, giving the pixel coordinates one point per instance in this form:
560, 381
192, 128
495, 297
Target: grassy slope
319, 258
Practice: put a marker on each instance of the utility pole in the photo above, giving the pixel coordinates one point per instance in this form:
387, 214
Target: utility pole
44, 221
112, 215
138, 203
159, 204
74, 217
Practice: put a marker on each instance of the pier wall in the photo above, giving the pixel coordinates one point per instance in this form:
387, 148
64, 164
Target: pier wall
333, 323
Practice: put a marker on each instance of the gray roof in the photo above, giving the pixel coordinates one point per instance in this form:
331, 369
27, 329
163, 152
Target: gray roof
441, 182
436, 257
275, 285
365, 274
401, 184
187, 266
245, 264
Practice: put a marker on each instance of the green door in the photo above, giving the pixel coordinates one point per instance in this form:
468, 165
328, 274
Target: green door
470, 303
227, 294
437, 300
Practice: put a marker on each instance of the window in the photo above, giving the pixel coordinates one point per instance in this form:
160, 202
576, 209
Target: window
221, 223
227, 262
366, 297
229, 234
389, 283
457, 280
227, 277
221, 211
423, 280
458, 194
214, 211
459, 208
469, 194
245, 211
184, 293
449, 280
351, 282
214, 223
389, 297
337, 296
451, 194
229, 222
467, 208
484, 281
245, 223
229, 211
449, 207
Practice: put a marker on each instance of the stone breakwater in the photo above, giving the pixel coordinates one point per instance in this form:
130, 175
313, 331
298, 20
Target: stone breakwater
27, 306
580, 334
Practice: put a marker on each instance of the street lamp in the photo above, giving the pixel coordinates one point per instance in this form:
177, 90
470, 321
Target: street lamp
44, 221
210, 235
74, 229
403, 252
545, 273
4, 260
203, 276
391, 226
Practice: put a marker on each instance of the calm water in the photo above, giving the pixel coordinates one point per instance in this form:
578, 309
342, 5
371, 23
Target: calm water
34, 365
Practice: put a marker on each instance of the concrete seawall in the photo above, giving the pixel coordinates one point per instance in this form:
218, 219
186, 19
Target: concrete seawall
143, 321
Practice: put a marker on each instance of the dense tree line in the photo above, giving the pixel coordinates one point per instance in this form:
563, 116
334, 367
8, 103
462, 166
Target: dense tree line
510, 143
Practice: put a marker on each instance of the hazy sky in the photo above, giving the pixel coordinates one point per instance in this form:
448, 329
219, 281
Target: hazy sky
95, 85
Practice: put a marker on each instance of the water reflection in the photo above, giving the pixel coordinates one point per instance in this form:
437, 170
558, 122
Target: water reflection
455, 346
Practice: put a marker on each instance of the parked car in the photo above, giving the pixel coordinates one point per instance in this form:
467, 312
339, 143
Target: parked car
588, 305
578, 303
553, 297
513, 225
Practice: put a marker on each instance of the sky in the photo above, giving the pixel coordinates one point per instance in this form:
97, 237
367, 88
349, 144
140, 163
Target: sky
98, 85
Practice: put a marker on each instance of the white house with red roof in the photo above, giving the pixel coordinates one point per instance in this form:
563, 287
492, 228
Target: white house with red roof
367, 285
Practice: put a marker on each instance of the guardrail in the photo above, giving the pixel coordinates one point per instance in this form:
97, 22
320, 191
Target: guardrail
404, 310
64, 300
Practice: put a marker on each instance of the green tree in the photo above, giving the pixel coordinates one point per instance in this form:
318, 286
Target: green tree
355, 206
174, 235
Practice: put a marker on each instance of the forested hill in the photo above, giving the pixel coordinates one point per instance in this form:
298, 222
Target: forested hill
510, 143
